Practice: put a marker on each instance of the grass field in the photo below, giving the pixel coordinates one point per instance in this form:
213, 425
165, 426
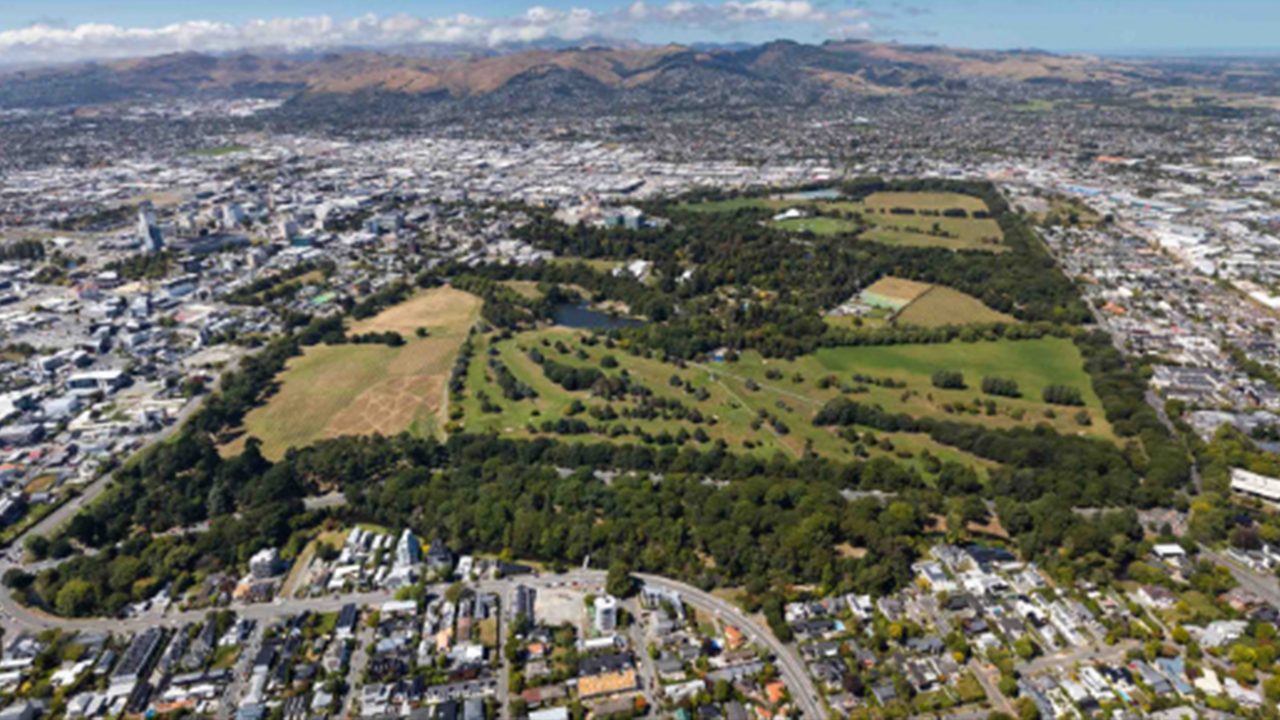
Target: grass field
818, 225
942, 305
1033, 364
731, 396
333, 390
925, 201
916, 303
729, 406
897, 290
887, 228
597, 264
526, 288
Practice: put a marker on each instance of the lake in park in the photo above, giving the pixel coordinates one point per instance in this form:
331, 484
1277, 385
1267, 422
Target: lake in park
584, 318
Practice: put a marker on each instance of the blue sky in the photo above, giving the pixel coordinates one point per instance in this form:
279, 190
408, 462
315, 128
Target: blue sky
1104, 26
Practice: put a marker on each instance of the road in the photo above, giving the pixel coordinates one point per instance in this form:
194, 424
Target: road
91, 491
1261, 585
639, 638
244, 665
793, 671
355, 670
1086, 654
983, 673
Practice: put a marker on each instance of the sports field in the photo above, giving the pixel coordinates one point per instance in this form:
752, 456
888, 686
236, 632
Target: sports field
894, 292
333, 390
941, 305
908, 302
927, 227
925, 201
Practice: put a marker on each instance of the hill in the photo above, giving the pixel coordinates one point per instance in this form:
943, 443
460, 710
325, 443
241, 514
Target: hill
778, 70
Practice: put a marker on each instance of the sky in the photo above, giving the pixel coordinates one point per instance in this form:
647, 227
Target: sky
43, 31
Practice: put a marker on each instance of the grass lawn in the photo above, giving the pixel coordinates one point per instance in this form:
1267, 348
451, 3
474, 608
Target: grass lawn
324, 625
942, 305
224, 658
730, 407
334, 390
41, 483
289, 587
735, 394
599, 265
1195, 607
910, 230
526, 288
925, 201
1033, 364
817, 225
487, 631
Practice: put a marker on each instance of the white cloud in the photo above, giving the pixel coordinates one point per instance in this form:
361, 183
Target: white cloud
50, 42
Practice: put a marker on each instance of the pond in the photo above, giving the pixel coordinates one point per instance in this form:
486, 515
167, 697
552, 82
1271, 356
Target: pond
584, 318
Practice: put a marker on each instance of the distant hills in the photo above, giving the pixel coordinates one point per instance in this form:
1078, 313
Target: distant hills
778, 70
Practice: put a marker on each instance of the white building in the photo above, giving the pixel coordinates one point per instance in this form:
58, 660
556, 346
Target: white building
606, 607
265, 563
88, 383
148, 231
1255, 485
408, 550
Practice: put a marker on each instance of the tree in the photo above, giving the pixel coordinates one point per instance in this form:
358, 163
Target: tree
77, 597
1025, 648
1008, 685
18, 579
1062, 395
619, 582
37, 546
454, 592
948, 380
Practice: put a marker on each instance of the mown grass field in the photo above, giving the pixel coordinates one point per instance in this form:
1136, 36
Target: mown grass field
730, 406
333, 390
734, 394
925, 201
1034, 364
942, 305
885, 227
526, 288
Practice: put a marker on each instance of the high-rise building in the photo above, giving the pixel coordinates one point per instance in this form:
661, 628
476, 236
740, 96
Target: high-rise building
148, 231
606, 613
408, 550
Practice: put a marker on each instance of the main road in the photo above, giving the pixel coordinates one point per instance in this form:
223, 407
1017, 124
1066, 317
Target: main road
1261, 585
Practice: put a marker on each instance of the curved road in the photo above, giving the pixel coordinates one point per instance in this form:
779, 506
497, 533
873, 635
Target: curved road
792, 669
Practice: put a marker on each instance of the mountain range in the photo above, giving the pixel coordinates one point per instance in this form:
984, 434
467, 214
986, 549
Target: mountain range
777, 69
772, 68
